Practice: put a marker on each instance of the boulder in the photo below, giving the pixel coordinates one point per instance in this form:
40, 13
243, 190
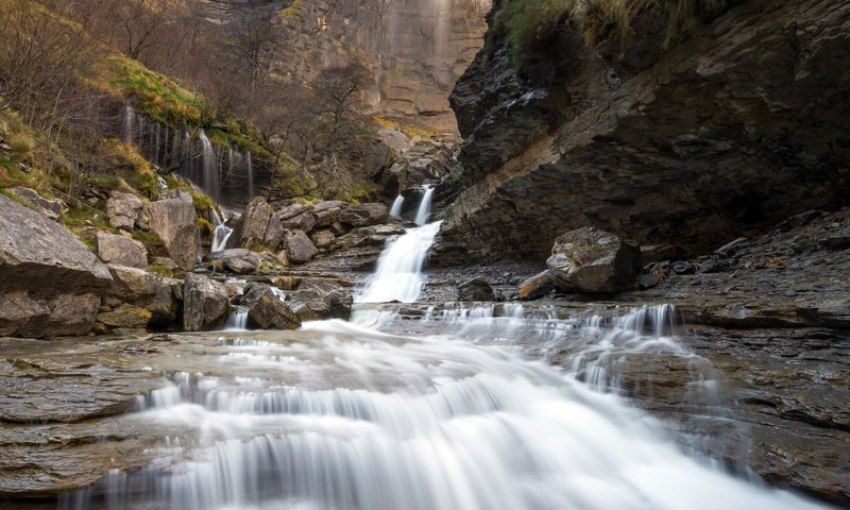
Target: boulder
593, 261
123, 210
50, 208
125, 316
51, 282
159, 296
266, 310
121, 250
204, 302
364, 215
173, 220
329, 212
259, 227
238, 260
297, 217
321, 299
476, 289
299, 247
535, 287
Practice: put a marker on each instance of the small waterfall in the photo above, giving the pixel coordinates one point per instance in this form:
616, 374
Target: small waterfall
211, 181
399, 274
129, 124
249, 166
424, 211
238, 320
395, 211
222, 232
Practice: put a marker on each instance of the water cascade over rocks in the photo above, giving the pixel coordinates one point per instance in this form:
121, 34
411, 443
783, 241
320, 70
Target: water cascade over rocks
222, 232
424, 211
395, 210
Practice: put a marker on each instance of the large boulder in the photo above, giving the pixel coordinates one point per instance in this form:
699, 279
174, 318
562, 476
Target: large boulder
173, 220
476, 289
259, 227
204, 302
327, 213
123, 209
159, 296
364, 215
238, 260
121, 250
321, 299
297, 217
268, 311
535, 287
51, 283
299, 247
593, 261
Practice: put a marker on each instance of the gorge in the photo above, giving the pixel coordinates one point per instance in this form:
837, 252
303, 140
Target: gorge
593, 264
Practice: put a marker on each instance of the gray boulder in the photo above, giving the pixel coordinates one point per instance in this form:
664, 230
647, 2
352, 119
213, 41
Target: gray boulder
204, 302
329, 212
267, 311
173, 220
593, 261
123, 209
364, 215
159, 296
299, 247
321, 299
23, 314
238, 260
259, 227
323, 239
121, 250
476, 289
297, 217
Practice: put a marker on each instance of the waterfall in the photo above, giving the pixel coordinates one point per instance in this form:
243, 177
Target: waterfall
395, 211
211, 182
238, 320
399, 274
222, 232
424, 211
249, 164
129, 124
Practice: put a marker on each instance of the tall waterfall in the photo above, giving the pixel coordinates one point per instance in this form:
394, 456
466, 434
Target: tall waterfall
211, 182
424, 211
399, 275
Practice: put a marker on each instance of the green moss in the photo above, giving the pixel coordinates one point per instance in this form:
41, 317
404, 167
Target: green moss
153, 243
296, 9
84, 222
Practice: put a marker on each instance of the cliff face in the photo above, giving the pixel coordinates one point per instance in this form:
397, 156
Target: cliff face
738, 127
414, 50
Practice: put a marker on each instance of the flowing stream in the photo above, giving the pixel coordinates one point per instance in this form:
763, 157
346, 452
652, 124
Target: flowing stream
445, 412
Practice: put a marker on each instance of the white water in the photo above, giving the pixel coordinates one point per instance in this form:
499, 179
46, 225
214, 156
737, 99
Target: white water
238, 320
211, 181
358, 419
222, 232
129, 124
424, 211
249, 164
395, 210
399, 275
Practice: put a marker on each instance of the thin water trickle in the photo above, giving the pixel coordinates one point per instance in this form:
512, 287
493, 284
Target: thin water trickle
424, 211
395, 210
211, 180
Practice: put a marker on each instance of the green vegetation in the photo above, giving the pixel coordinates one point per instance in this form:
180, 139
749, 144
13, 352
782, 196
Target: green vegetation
152, 242
532, 24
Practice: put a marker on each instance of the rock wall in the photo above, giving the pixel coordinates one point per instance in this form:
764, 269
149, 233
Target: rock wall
414, 50
739, 127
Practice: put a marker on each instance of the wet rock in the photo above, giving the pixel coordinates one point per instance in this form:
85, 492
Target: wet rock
204, 302
124, 251
593, 261
238, 260
50, 208
299, 247
683, 267
535, 287
321, 299
125, 316
267, 311
123, 210
23, 314
729, 249
647, 281
173, 220
476, 289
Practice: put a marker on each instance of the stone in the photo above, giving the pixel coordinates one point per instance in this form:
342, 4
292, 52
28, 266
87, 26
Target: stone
124, 251
238, 260
50, 208
323, 239
205, 302
593, 261
165, 263
287, 282
159, 296
476, 289
267, 311
173, 220
123, 210
259, 227
683, 267
328, 212
61, 314
836, 240
729, 249
321, 299
647, 281
297, 217
364, 215
299, 247
535, 287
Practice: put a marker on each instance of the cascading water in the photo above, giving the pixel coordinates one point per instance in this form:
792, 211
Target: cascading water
129, 124
249, 167
399, 276
238, 320
211, 181
395, 210
222, 232
424, 211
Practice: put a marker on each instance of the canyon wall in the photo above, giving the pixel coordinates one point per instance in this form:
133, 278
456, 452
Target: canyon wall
413, 50
736, 128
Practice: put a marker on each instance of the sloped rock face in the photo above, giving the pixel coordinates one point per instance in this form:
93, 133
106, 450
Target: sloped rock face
204, 302
733, 130
173, 220
51, 282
